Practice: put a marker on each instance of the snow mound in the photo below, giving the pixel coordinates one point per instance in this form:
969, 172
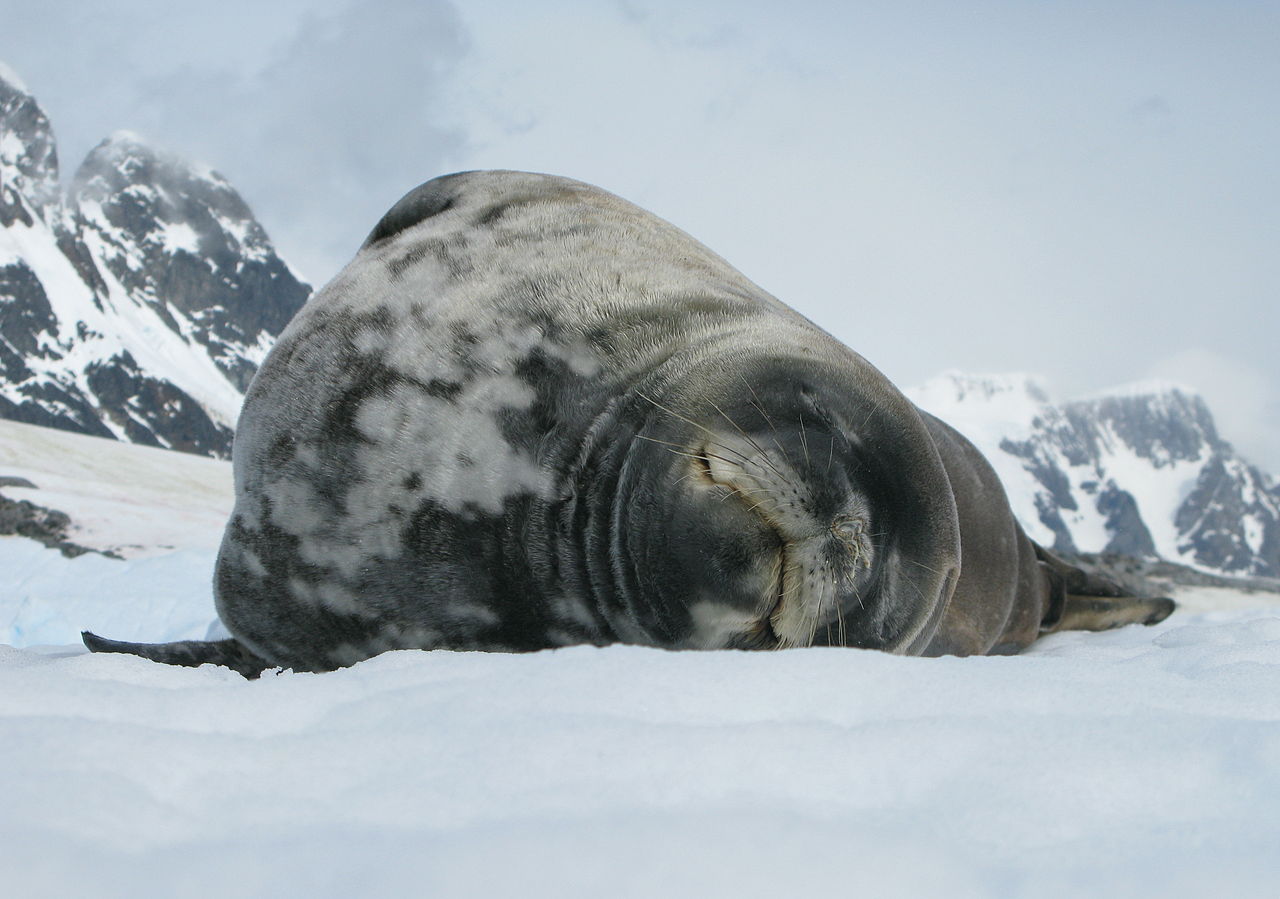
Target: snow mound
1141, 761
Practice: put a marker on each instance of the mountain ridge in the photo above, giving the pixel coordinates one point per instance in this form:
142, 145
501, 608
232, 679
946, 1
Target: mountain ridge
139, 304
1137, 470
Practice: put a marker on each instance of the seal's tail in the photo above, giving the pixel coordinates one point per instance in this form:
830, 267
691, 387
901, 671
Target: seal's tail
229, 653
1086, 601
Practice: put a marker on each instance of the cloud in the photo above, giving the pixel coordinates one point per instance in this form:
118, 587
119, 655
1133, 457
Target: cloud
321, 112
343, 118
1245, 403
1066, 191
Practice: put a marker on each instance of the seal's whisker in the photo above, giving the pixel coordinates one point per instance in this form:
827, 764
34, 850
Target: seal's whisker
740, 492
922, 565
680, 447
840, 619
705, 458
759, 405
875, 407
787, 568
804, 442
857, 594
674, 413
656, 440
681, 451
758, 448
741, 469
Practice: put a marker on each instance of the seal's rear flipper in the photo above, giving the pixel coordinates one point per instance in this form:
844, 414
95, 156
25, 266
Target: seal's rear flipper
1081, 600
188, 653
1100, 613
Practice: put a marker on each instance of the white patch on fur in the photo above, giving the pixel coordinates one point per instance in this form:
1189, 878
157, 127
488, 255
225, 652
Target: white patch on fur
572, 609
469, 613
249, 559
716, 624
295, 507
328, 595
455, 447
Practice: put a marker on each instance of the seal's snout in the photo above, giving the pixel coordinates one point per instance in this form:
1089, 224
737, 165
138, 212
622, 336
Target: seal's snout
819, 582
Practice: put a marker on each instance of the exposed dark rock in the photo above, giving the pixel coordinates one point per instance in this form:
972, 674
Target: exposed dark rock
48, 526
1129, 534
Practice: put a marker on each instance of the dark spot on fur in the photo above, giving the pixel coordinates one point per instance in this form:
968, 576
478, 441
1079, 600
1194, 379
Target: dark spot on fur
397, 266
493, 213
445, 390
462, 336
413, 482
465, 461
282, 451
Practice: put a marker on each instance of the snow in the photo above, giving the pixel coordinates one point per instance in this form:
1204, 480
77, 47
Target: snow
1142, 761
132, 500
48, 599
135, 326
175, 236
1253, 533
37, 246
12, 148
1143, 389
1157, 492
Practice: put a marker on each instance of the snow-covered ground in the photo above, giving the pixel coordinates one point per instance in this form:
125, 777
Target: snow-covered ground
1144, 761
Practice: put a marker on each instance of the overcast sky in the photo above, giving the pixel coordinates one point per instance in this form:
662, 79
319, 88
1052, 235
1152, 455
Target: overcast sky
1086, 191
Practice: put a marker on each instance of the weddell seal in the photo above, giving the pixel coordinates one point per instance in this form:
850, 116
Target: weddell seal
530, 414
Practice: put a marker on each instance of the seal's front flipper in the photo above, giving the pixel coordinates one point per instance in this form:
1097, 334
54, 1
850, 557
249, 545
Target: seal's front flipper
188, 653
1100, 613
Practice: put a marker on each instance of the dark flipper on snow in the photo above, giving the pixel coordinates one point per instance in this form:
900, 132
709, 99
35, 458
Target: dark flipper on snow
188, 653
1087, 601
1096, 613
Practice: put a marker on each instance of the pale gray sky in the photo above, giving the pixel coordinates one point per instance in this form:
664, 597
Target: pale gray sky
1086, 191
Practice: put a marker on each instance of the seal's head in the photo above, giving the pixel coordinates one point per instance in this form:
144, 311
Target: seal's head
776, 502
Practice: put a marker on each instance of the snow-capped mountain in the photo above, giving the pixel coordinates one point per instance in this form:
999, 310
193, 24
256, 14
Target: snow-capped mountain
138, 306
1139, 471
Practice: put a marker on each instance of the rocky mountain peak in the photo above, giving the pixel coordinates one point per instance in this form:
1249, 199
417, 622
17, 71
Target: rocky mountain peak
1164, 423
1139, 470
141, 306
179, 237
28, 155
